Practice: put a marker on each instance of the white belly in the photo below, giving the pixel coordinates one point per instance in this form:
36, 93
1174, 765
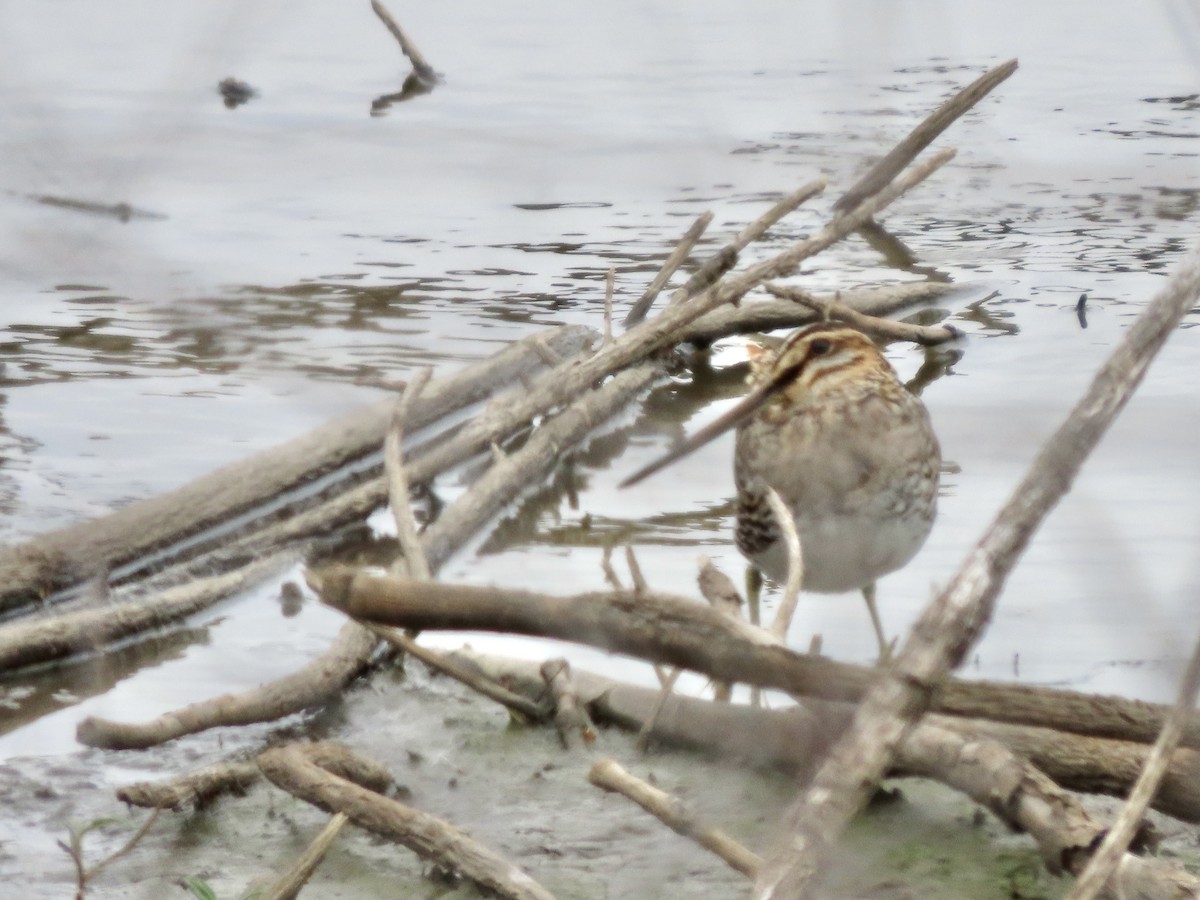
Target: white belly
847, 553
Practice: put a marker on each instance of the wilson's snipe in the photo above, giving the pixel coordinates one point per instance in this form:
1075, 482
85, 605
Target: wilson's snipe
851, 451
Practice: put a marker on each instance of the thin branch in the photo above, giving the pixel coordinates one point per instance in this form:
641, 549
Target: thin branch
440, 662
951, 624
671, 811
643, 303
300, 770
289, 885
923, 135
678, 631
407, 47
876, 327
398, 489
665, 689
575, 728
1116, 842
609, 282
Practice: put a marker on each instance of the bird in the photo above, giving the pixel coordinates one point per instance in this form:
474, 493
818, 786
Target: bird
851, 451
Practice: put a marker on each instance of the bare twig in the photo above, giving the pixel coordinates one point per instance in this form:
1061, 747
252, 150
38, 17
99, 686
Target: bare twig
643, 303
289, 885
440, 662
876, 327
677, 631
1001, 780
718, 589
671, 811
923, 135
194, 789
666, 687
609, 282
575, 729
952, 623
419, 64
795, 570
393, 461
298, 771
1116, 842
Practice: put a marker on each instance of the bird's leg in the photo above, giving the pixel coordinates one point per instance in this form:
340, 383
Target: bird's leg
885, 650
754, 583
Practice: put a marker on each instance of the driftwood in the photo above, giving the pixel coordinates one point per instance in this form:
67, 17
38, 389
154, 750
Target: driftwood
677, 258
325, 677
955, 619
951, 751
924, 135
289, 885
195, 789
326, 777
44, 639
59, 559
878, 328
681, 632
1110, 855
608, 775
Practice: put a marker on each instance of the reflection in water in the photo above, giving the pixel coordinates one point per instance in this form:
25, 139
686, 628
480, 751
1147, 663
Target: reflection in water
33, 694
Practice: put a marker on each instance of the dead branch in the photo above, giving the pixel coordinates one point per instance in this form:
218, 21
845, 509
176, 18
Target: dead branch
770, 315
876, 327
407, 47
955, 619
681, 632
314, 685
393, 464
526, 709
945, 750
58, 559
195, 789
325, 677
671, 811
1115, 844
570, 718
41, 640
677, 258
924, 135
289, 885
296, 770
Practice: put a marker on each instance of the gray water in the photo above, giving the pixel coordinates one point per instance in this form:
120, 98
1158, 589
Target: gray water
297, 244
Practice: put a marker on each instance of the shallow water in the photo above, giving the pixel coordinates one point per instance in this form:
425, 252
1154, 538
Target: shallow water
298, 243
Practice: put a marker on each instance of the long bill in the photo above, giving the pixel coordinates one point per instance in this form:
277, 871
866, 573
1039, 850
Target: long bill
743, 410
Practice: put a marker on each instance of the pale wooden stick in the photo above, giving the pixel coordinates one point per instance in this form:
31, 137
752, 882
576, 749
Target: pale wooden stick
476, 681
923, 135
643, 303
574, 726
664, 694
393, 463
672, 812
876, 327
303, 772
193, 789
675, 630
954, 620
289, 885
608, 305
407, 47
718, 589
795, 570
1112, 849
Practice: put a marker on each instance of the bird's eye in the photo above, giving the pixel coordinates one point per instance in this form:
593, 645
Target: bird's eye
819, 347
